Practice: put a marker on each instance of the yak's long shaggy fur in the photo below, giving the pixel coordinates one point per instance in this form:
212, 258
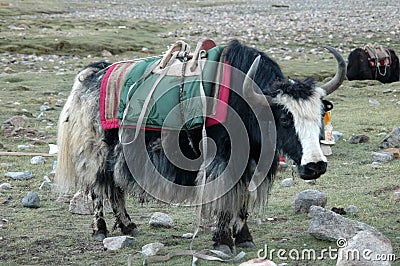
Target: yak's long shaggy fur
92, 159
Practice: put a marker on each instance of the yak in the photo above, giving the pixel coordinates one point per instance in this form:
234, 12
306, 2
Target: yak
268, 114
363, 65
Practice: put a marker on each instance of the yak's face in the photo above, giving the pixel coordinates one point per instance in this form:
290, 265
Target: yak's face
299, 128
298, 111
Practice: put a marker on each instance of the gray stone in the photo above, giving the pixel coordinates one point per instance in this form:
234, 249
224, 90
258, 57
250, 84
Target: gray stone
307, 198
118, 242
327, 225
187, 235
373, 101
159, 219
392, 140
6, 165
31, 200
352, 209
44, 108
355, 139
5, 186
25, 147
81, 204
19, 175
382, 156
287, 182
17, 121
365, 245
38, 160
152, 249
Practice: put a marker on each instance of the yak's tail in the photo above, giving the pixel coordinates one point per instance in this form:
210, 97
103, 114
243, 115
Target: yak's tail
81, 149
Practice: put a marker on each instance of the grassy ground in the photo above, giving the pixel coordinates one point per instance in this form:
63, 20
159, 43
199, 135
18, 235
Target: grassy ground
51, 235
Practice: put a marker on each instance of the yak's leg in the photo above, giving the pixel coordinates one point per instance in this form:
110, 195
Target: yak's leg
99, 224
241, 231
223, 235
122, 219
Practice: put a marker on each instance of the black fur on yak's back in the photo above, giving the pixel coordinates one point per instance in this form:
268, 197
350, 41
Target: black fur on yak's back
241, 57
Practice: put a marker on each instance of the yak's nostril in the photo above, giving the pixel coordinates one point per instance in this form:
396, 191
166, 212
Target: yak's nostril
312, 170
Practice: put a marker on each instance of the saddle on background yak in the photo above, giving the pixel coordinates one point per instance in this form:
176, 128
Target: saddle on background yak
158, 92
377, 55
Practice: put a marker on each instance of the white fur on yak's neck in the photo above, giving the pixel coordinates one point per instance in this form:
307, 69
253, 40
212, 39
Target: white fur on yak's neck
307, 122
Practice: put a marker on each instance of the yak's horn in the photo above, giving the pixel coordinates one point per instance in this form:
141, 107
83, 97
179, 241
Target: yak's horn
248, 90
340, 75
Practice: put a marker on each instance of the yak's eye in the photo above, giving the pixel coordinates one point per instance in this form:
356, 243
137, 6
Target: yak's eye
286, 119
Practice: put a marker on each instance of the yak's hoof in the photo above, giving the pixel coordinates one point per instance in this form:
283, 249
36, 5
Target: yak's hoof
99, 236
225, 249
130, 229
246, 244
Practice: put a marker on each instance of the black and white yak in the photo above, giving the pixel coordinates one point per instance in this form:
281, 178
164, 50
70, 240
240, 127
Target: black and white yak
361, 66
95, 161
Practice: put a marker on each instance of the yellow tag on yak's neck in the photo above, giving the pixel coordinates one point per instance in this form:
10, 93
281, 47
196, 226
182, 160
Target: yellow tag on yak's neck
327, 118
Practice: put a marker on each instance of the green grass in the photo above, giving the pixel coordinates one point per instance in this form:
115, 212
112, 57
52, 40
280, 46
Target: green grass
51, 235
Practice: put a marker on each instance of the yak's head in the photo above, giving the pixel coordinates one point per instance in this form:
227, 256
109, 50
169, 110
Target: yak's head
298, 108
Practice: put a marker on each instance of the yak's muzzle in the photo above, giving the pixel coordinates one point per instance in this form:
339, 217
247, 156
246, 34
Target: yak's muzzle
312, 170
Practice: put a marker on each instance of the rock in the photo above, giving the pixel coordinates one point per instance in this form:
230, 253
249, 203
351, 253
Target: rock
394, 151
287, 182
53, 149
5, 186
382, 157
44, 108
352, 209
46, 185
31, 200
106, 53
6, 165
118, 242
152, 249
392, 140
17, 122
81, 204
59, 103
159, 219
327, 225
258, 262
355, 139
19, 175
363, 248
373, 101
25, 147
307, 198
37, 160
187, 235
376, 165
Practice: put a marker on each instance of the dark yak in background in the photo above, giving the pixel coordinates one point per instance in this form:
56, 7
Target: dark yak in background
359, 68
92, 159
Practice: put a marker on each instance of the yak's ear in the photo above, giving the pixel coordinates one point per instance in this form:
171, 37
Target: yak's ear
327, 105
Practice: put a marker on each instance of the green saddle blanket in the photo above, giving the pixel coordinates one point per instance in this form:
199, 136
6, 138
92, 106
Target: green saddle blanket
164, 110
